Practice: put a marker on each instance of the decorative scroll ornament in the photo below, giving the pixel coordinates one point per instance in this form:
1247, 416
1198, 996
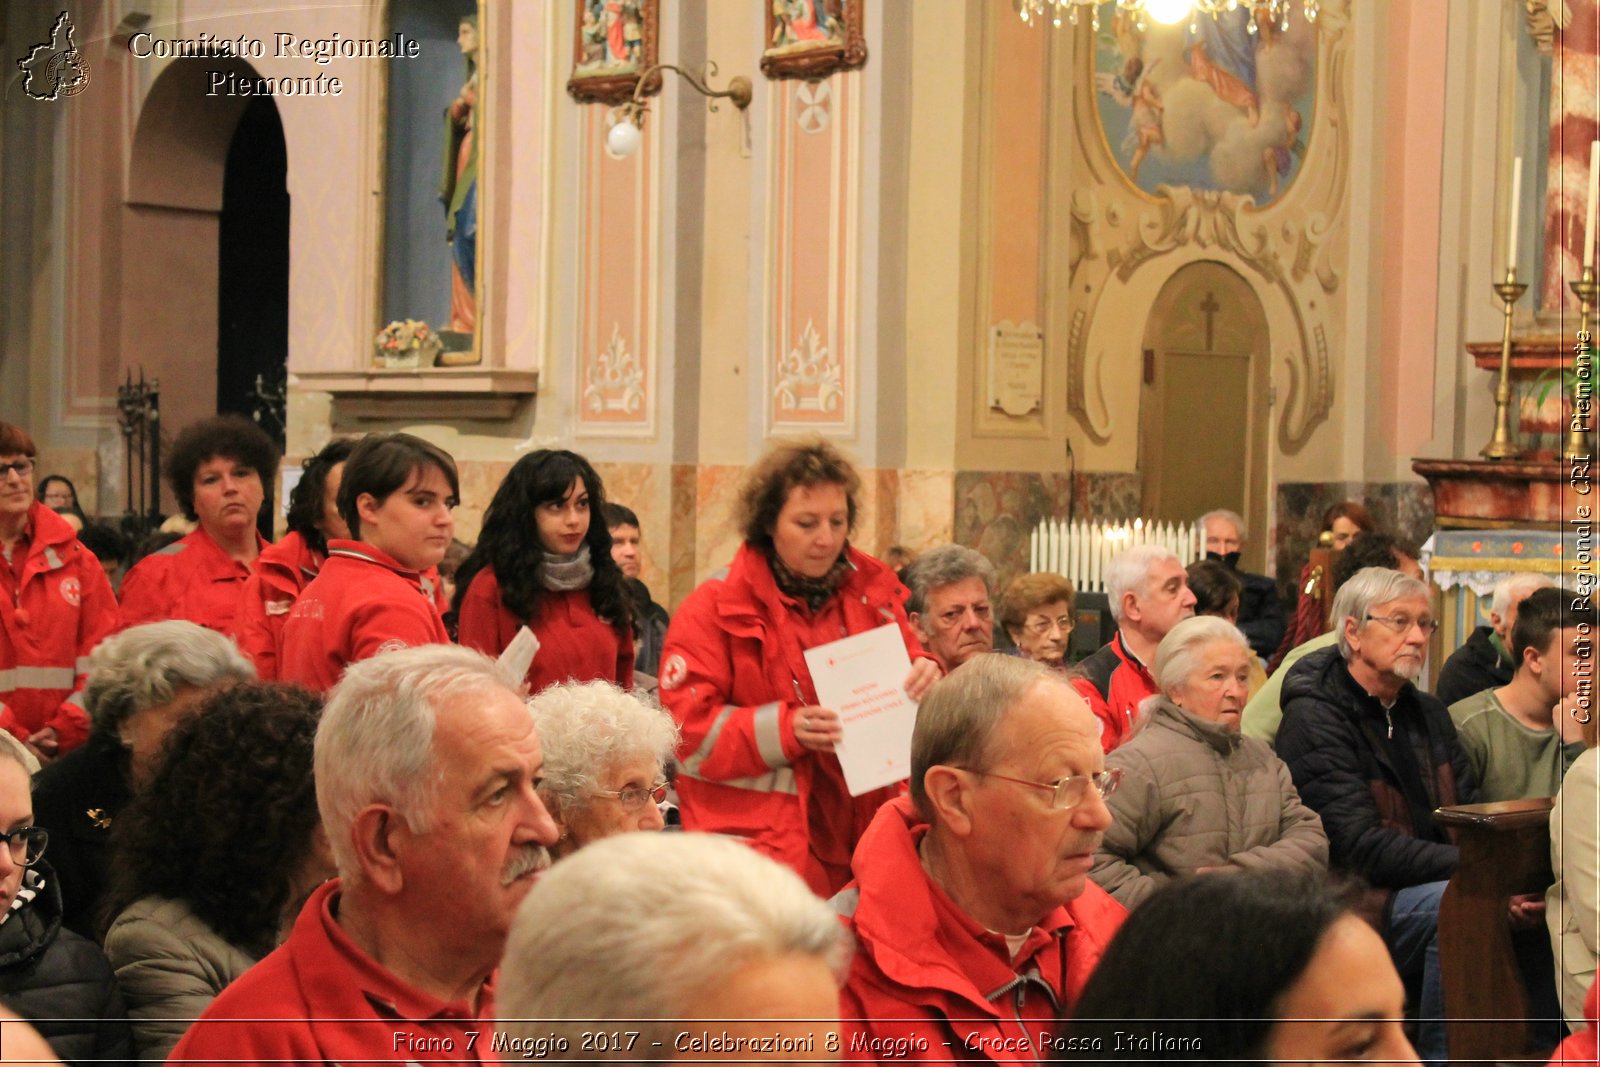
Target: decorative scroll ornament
809, 378
614, 381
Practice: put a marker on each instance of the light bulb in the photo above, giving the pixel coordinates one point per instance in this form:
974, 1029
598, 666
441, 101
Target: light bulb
1168, 12
624, 139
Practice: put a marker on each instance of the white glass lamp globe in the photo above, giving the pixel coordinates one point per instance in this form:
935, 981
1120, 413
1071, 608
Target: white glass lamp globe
624, 139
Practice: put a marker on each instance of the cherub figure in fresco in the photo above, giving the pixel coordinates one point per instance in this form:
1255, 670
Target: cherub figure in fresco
1133, 89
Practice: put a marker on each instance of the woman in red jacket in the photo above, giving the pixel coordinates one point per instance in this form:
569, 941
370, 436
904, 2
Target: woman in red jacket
216, 471
55, 606
554, 575
757, 751
286, 567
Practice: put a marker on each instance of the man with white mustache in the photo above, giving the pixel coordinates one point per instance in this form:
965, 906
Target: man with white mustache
427, 765
1374, 756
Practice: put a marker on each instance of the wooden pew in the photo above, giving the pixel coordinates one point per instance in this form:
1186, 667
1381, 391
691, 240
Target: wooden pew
1505, 851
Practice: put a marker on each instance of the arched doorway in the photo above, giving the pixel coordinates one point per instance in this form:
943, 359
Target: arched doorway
188, 149
1204, 402
253, 266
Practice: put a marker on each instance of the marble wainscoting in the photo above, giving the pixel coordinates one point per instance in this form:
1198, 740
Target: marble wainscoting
647, 489
905, 507
996, 511
1404, 509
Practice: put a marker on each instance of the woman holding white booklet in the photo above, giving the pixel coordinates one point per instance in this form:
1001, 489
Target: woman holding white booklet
757, 755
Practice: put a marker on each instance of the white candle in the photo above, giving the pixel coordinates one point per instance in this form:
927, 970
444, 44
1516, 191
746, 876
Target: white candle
1594, 200
1516, 205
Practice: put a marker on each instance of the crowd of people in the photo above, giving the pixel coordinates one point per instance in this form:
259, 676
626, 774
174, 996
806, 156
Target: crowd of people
369, 794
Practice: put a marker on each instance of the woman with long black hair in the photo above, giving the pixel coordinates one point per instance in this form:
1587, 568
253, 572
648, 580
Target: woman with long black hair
543, 560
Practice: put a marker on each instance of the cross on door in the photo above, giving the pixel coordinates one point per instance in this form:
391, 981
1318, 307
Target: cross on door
1210, 306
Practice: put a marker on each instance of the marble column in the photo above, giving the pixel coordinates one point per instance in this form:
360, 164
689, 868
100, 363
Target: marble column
1574, 103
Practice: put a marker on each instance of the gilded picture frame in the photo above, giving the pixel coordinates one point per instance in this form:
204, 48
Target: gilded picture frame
613, 41
812, 39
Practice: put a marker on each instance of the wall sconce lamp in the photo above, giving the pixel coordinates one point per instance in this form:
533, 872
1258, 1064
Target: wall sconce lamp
624, 138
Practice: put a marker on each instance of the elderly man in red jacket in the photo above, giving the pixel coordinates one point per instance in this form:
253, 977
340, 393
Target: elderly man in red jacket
976, 921
426, 767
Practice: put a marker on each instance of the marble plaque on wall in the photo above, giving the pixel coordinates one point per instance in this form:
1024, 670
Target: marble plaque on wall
1016, 367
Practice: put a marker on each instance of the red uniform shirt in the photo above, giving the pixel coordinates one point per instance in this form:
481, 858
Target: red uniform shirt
56, 604
191, 579
575, 644
361, 603
929, 980
319, 999
1115, 683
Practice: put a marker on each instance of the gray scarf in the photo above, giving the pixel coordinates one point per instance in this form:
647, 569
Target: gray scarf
562, 574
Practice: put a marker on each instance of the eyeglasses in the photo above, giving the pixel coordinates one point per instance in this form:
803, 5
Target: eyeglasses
21, 468
1040, 627
1402, 624
633, 797
26, 844
1070, 791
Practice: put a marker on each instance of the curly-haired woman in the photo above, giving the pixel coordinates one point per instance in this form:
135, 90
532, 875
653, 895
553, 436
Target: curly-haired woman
213, 860
216, 471
288, 565
541, 562
757, 754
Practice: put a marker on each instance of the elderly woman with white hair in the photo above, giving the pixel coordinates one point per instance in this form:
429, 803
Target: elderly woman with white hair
605, 758
142, 682
730, 937
1197, 796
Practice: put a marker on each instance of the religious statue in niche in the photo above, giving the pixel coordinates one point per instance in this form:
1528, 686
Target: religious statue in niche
435, 143
813, 38
614, 41
1219, 104
459, 188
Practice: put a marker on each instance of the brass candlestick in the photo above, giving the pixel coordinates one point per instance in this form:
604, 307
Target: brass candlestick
1500, 446
1585, 289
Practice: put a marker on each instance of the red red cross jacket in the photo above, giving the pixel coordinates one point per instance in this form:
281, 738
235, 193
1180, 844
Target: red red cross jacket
50, 620
319, 998
282, 571
361, 603
733, 672
191, 579
1114, 683
927, 982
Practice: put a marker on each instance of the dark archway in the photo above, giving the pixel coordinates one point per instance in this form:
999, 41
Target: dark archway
253, 267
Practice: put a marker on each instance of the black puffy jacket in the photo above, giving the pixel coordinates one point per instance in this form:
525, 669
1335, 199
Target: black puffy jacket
58, 981
1375, 776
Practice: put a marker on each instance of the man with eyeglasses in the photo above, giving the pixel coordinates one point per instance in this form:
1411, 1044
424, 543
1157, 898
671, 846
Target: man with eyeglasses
952, 588
975, 920
1374, 756
55, 605
56, 980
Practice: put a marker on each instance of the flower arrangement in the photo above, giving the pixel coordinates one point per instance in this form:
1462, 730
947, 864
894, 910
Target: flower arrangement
407, 344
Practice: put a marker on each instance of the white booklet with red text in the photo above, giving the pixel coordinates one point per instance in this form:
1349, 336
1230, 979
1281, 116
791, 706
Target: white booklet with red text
862, 679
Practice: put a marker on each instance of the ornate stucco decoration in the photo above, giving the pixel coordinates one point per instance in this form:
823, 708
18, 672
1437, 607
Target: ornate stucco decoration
1126, 243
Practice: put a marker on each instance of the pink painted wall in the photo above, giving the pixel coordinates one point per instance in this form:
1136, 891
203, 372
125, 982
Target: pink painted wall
1408, 267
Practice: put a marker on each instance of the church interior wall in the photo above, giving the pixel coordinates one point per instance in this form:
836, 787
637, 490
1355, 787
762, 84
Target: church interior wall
956, 183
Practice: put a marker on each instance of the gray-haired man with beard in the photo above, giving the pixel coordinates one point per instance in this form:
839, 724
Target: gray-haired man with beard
1374, 756
427, 765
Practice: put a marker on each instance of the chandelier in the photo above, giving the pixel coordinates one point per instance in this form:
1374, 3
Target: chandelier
1167, 12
